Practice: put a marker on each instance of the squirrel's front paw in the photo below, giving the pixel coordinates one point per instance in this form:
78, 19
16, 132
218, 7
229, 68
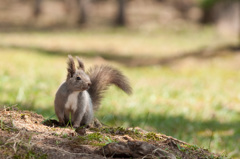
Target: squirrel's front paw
62, 123
75, 126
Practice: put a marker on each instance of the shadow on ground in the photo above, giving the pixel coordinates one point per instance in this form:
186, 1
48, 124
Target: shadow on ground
134, 60
194, 131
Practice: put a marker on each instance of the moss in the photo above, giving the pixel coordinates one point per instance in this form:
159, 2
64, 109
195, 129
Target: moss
94, 136
134, 133
94, 139
152, 136
65, 135
30, 154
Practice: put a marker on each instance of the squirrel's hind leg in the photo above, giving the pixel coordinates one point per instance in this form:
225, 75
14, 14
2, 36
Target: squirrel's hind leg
77, 118
87, 118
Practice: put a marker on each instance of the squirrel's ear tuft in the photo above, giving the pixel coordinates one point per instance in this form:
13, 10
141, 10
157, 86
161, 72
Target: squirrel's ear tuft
80, 63
71, 67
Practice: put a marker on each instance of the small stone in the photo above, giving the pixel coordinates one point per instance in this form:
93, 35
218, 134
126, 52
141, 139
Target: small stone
128, 138
23, 116
81, 131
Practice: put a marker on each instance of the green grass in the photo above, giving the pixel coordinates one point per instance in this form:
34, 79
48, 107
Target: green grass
195, 100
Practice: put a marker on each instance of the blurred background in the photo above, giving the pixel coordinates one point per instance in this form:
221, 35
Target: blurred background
182, 58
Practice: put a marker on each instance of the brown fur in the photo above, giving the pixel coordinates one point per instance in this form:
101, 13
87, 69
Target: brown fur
71, 67
80, 64
103, 76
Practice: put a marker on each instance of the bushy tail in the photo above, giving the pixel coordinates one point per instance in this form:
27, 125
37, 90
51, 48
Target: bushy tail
103, 76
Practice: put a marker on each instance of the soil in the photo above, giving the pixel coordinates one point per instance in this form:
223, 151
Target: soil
24, 134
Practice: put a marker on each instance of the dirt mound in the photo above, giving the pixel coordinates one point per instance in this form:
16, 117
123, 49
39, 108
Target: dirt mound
25, 134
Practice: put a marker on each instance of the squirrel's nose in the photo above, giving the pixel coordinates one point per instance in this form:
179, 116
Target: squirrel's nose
89, 84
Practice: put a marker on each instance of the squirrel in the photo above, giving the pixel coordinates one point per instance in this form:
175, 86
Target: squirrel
80, 95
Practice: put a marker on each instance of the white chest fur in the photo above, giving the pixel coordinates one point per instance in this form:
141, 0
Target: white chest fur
72, 101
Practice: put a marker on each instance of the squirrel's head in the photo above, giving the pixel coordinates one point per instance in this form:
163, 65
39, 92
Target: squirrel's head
77, 79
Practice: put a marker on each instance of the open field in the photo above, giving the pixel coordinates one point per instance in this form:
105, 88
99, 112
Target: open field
194, 98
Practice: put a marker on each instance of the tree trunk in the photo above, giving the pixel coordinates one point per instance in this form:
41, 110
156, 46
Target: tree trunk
238, 24
121, 17
83, 11
37, 8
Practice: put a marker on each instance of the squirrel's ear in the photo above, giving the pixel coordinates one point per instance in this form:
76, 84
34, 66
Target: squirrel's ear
71, 67
80, 63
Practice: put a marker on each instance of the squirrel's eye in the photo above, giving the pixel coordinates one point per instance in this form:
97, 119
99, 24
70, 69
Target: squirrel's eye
78, 78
